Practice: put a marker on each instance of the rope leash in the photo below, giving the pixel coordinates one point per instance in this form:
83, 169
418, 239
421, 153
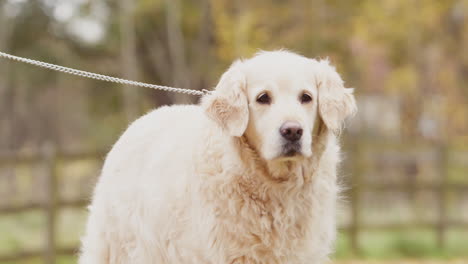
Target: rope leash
101, 77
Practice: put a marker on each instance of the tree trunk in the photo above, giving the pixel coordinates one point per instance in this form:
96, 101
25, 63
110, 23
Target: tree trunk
5, 94
6, 104
202, 56
128, 58
176, 45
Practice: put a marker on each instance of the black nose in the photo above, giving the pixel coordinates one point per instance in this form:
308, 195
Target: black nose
291, 131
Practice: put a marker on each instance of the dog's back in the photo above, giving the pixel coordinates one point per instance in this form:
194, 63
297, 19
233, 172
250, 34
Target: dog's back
142, 186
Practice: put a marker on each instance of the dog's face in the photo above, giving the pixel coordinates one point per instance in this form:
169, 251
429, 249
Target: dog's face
277, 100
282, 109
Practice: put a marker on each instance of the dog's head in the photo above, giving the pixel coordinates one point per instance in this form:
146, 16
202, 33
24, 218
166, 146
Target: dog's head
277, 99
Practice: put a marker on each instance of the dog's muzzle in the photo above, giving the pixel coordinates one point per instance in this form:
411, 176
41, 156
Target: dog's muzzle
291, 132
291, 149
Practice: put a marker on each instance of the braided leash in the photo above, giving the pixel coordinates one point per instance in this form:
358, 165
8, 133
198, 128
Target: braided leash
102, 77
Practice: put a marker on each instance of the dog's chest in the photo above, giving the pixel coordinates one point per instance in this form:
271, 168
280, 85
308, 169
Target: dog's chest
272, 229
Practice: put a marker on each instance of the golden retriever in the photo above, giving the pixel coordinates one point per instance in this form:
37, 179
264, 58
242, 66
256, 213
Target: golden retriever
247, 176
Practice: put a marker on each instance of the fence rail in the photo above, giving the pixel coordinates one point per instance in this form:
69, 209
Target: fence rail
52, 204
49, 158
37, 254
35, 206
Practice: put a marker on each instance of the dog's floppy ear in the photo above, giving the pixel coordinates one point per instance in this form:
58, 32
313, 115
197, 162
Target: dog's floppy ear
335, 102
227, 104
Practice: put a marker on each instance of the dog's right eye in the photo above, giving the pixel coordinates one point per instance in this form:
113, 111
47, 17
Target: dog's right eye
264, 98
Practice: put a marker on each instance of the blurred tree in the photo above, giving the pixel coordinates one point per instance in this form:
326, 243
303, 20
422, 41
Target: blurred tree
5, 92
391, 48
128, 57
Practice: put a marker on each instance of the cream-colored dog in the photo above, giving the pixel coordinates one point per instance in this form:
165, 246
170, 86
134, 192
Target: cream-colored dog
247, 176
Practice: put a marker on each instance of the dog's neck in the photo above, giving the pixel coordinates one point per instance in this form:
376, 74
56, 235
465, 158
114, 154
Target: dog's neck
271, 171
264, 182
278, 173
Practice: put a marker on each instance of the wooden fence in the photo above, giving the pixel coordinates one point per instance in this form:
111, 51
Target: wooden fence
50, 159
52, 204
442, 187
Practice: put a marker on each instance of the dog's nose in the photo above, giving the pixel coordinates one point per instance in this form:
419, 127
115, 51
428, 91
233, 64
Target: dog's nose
291, 131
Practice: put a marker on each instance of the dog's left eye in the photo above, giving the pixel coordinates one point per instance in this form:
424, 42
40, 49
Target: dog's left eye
264, 98
305, 98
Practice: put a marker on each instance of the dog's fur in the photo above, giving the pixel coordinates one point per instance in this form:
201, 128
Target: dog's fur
209, 183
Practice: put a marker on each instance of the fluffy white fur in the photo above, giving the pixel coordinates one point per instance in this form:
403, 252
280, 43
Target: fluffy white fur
209, 183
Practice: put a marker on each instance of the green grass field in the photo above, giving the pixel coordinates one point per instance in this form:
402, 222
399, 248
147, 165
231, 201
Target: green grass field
23, 232
421, 243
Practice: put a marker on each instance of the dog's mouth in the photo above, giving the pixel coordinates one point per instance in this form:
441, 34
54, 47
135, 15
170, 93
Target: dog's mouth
291, 149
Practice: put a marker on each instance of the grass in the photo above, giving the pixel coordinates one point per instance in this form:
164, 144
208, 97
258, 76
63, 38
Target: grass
21, 232
413, 244
25, 232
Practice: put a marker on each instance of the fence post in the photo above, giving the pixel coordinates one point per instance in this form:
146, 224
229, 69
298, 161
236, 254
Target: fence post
50, 203
442, 217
